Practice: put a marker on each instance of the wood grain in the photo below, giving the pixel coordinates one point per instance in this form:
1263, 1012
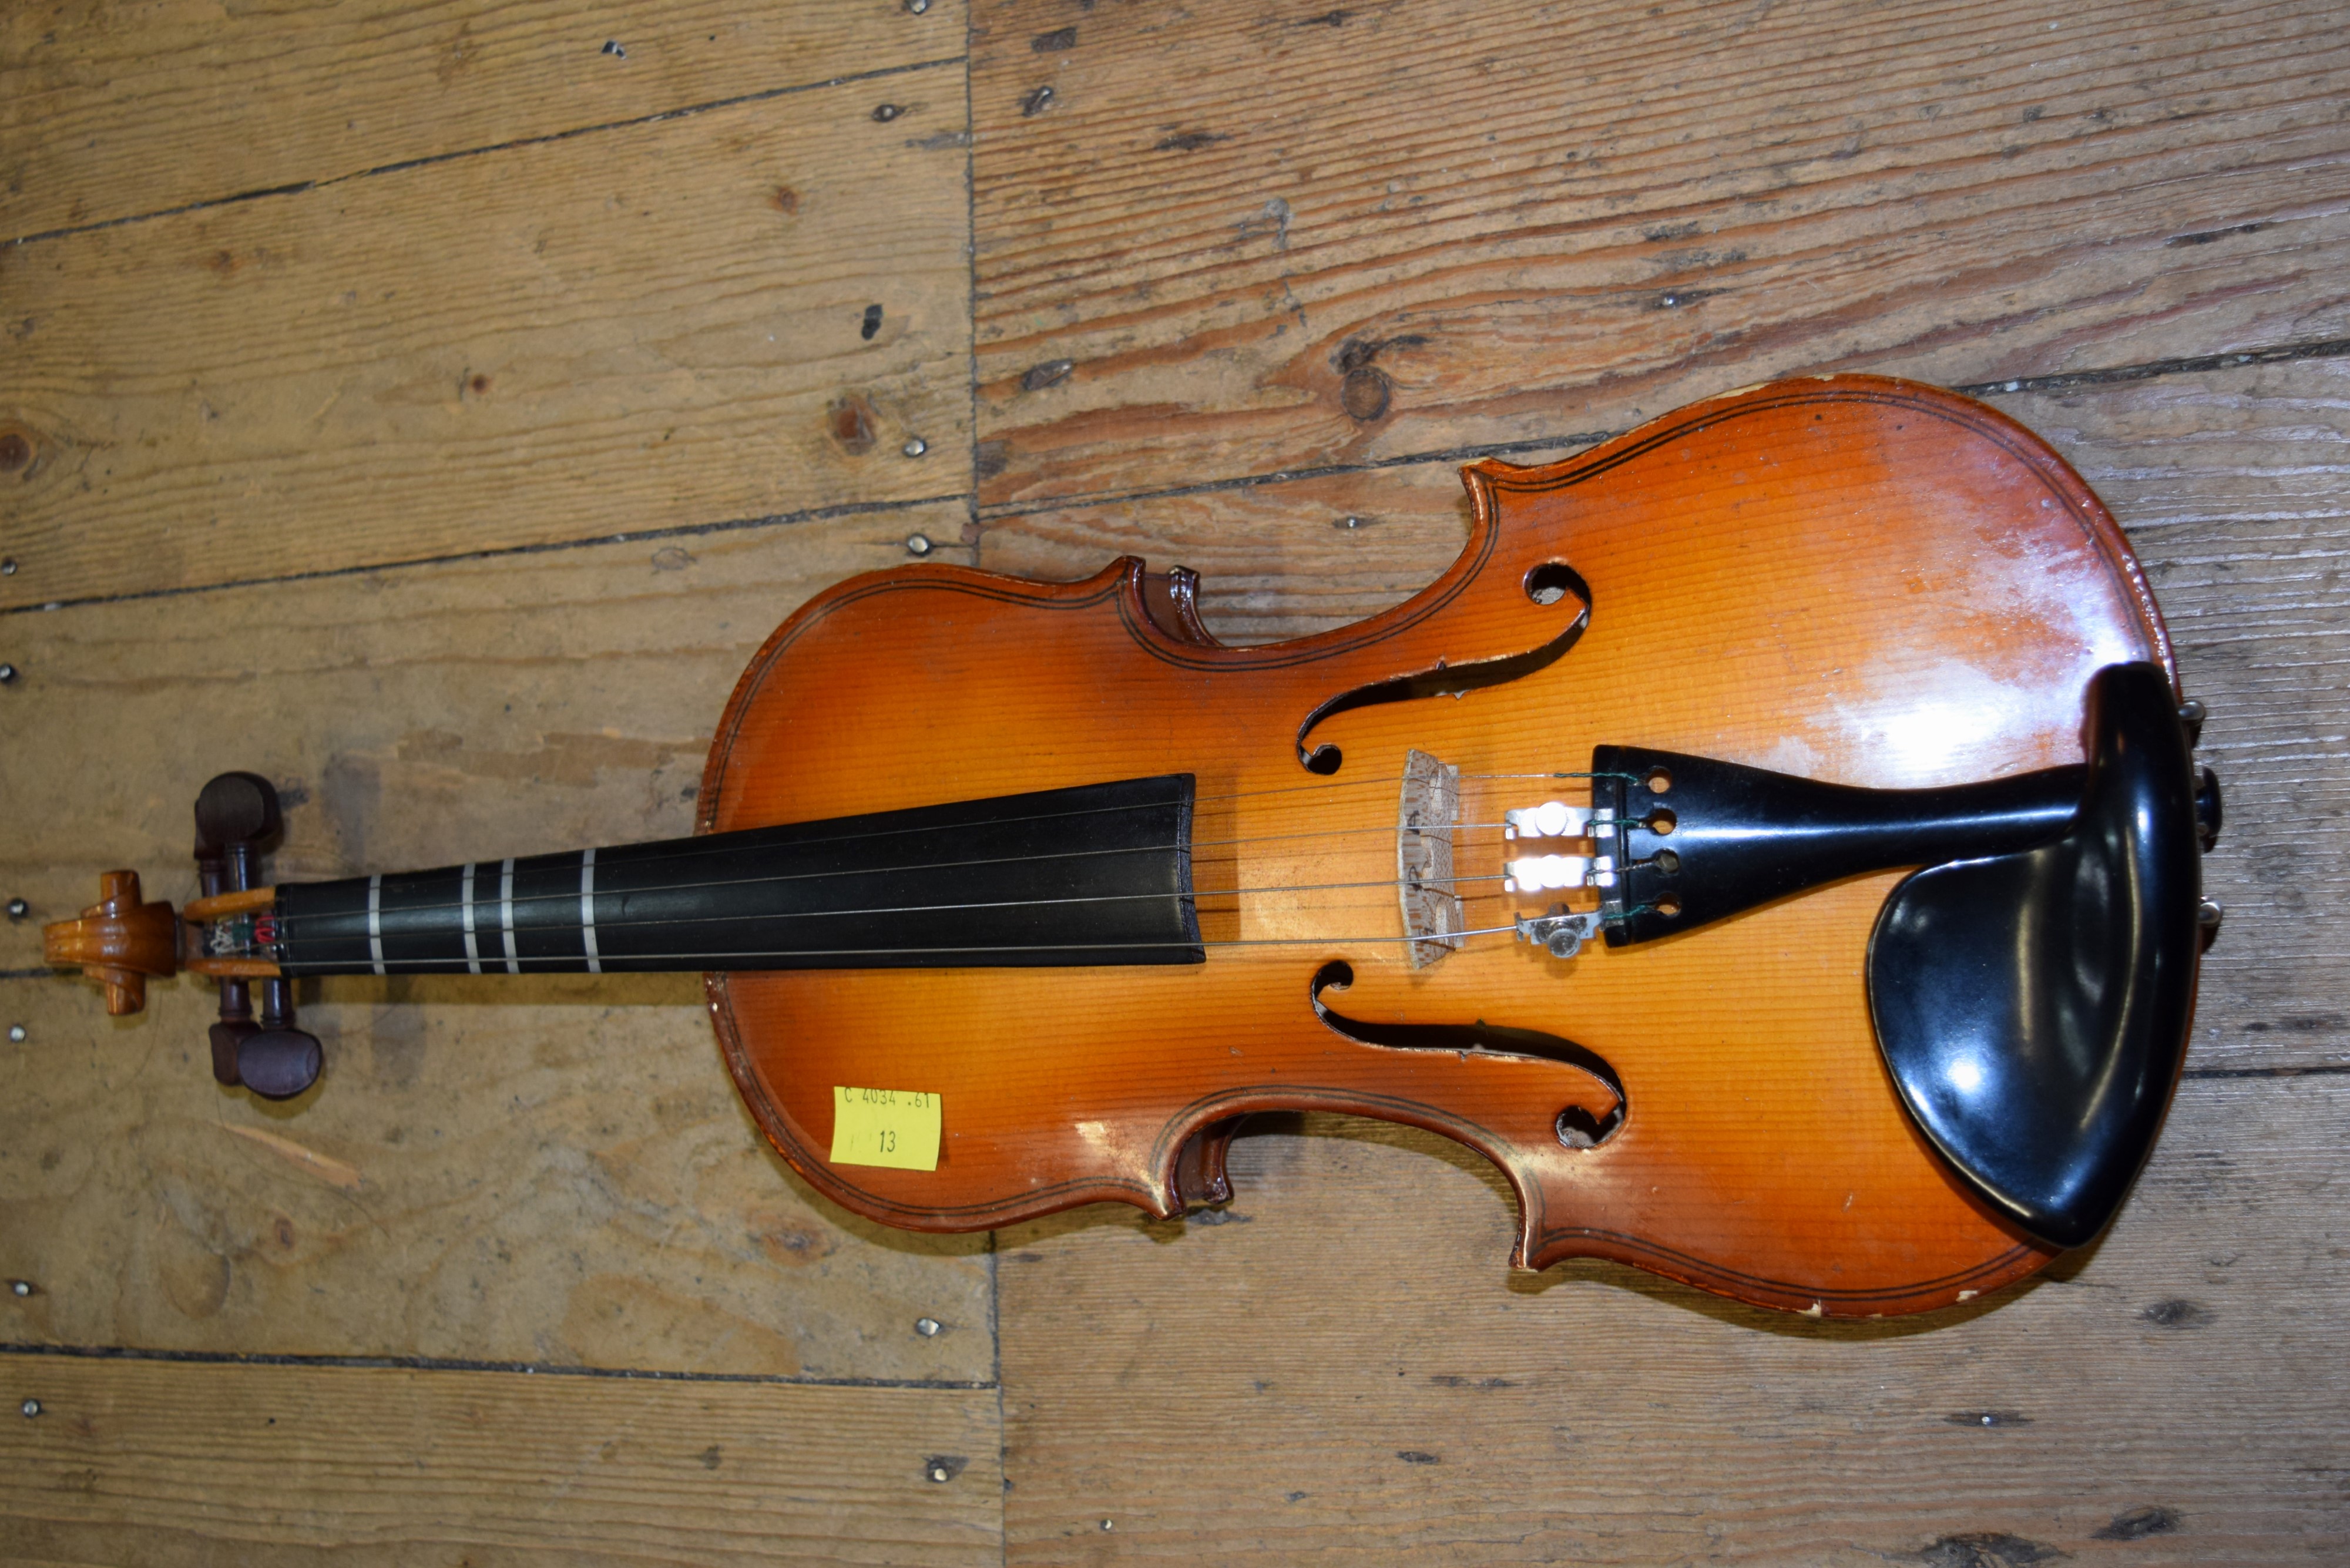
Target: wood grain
1504, 223
2235, 487
108, 110
146, 1463
1337, 1370
535, 1171
650, 327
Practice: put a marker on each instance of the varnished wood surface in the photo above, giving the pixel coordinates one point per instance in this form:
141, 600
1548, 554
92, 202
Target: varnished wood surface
1856, 580
1988, 238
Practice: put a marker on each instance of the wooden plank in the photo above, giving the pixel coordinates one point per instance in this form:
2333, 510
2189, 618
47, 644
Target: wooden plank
1512, 224
105, 114
2233, 487
659, 325
1339, 1369
537, 1170
137, 1462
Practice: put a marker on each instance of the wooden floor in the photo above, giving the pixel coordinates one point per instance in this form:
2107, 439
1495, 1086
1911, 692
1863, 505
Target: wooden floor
431, 404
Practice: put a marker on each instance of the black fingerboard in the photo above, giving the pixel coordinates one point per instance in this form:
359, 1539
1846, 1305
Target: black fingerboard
1100, 874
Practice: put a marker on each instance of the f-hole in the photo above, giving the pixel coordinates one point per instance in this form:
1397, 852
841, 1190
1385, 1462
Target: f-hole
1552, 582
1577, 1129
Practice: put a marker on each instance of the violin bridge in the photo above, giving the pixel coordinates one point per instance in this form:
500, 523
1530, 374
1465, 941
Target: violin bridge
1425, 815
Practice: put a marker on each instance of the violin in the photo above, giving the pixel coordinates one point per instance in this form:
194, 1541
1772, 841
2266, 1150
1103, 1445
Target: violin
1774, 843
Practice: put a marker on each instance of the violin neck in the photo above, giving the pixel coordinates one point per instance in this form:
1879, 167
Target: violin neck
1100, 874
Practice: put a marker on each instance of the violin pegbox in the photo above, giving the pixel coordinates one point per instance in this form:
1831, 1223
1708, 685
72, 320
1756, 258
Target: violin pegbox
237, 819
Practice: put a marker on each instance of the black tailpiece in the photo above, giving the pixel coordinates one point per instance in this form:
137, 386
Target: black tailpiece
2030, 988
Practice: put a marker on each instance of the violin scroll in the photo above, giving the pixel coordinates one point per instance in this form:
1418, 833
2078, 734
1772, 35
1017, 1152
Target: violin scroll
119, 941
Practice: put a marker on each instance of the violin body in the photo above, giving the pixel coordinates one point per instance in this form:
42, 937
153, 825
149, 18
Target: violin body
1848, 578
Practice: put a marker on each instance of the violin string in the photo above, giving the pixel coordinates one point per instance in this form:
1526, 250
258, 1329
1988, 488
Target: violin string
571, 895
1341, 832
606, 926
702, 959
1210, 894
715, 844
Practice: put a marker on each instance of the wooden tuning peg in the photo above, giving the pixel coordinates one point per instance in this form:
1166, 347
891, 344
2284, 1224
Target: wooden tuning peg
119, 941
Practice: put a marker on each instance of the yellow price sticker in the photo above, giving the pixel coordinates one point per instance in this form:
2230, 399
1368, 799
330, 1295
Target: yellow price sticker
895, 1127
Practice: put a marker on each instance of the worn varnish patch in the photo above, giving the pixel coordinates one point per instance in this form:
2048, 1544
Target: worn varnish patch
1580, 218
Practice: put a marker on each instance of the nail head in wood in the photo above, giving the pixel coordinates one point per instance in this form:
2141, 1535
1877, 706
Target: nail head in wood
1366, 393
1036, 378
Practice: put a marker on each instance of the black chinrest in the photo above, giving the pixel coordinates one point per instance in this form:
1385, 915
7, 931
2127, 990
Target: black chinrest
2033, 1006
